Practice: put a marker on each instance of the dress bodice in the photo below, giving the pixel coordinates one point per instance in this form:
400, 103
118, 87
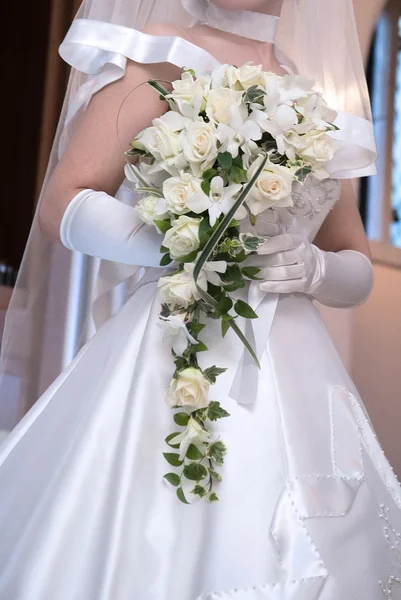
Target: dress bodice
313, 201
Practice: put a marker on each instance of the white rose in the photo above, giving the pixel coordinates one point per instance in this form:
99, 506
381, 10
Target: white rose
189, 93
162, 139
193, 434
245, 76
199, 144
179, 290
179, 190
190, 388
160, 142
219, 103
272, 188
151, 208
320, 150
183, 237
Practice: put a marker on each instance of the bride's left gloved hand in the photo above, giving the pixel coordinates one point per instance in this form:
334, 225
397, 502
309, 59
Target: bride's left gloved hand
288, 264
291, 264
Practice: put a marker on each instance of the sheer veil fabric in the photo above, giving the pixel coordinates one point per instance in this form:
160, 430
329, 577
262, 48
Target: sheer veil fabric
103, 37
309, 507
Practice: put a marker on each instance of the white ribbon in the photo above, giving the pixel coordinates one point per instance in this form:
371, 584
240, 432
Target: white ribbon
101, 49
357, 152
244, 387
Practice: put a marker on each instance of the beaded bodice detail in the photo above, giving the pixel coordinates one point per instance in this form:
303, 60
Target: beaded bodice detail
313, 201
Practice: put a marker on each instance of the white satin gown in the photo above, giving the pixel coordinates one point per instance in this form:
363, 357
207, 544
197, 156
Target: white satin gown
309, 506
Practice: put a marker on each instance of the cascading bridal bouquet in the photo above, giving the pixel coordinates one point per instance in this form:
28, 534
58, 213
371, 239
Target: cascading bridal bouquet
230, 146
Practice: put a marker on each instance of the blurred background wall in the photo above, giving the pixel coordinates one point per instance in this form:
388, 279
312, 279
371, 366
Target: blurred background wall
368, 338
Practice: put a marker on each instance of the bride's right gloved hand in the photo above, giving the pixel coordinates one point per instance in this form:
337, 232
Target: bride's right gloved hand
99, 225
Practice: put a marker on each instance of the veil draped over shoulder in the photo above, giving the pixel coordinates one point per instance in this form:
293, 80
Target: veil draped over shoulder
61, 297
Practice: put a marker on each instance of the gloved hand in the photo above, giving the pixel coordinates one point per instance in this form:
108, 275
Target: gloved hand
99, 225
290, 264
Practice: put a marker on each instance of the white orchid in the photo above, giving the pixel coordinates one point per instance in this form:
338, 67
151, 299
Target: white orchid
193, 434
176, 333
219, 201
238, 132
209, 272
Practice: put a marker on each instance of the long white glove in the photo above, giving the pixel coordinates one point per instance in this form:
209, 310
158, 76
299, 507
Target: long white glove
290, 264
99, 225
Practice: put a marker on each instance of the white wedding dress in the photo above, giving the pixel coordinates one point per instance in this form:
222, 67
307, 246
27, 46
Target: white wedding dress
309, 506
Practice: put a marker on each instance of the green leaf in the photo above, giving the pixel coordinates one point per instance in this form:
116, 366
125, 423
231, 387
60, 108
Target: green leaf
213, 372
194, 453
163, 226
137, 152
169, 439
195, 327
159, 88
244, 310
225, 160
188, 258
209, 174
251, 272
334, 127
189, 71
173, 459
216, 412
225, 304
199, 347
233, 273
195, 471
150, 190
199, 491
205, 185
254, 94
217, 452
234, 286
238, 174
215, 291
165, 260
180, 496
251, 242
204, 230
173, 478
163, 249
225, 326
278, 159
240, 256
215, 475
302, 174
233, 223
213, 497
181, 419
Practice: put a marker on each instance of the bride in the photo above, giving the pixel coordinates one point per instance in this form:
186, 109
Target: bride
309, 507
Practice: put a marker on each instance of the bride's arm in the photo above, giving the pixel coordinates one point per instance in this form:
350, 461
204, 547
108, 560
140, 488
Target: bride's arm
335, 269
343, 228
93, 159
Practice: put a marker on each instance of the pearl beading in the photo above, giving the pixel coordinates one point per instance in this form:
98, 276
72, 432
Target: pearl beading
312, 196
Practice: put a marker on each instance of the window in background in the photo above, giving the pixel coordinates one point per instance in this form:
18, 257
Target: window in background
395, 231
381, 195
